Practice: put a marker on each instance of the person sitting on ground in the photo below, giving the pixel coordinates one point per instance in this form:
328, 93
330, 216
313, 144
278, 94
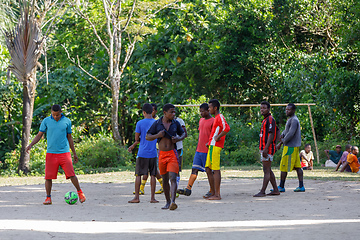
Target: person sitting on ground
344, 158
334, 157
307, 158
352, 160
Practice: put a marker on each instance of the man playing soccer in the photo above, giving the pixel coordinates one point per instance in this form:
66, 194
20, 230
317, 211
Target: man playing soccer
165, 130
205, 126
216, 142
145, 176
58, 134
267, 147
147, 155
291, 137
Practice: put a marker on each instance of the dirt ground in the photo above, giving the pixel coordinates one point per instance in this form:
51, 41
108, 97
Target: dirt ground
327, 210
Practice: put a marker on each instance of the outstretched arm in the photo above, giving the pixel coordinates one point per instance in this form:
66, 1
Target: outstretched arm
344, 166
327, 153
72, 147
34, 141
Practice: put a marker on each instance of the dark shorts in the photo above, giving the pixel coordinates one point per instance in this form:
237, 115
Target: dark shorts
145, 165
199, 161
180, 158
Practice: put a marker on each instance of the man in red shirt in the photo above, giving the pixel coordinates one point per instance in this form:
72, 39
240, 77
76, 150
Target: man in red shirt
267, 147
216, 142
205, 125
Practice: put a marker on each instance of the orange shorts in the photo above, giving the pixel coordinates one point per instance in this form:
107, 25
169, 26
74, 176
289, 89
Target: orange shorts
168, 162
54, 160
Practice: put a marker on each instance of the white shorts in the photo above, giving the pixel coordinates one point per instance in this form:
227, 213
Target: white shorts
268, 158
330, 163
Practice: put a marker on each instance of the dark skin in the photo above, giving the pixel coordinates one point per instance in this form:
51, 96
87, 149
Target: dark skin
167, 144
268, 173
289, 113
214, 176
355, 152
310, 161
136, 199
339, 163
338, 150
48, 182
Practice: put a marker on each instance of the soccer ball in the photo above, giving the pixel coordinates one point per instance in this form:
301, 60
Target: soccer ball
71, 198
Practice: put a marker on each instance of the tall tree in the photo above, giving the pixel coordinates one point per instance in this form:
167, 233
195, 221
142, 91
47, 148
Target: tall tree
126, 23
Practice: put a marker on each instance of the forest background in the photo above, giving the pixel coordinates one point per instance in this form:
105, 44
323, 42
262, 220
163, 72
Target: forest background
236, 51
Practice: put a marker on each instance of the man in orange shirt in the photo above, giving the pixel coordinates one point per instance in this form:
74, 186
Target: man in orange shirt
352, 160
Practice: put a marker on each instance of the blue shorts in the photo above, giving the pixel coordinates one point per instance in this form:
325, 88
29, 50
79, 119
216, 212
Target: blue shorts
199, 161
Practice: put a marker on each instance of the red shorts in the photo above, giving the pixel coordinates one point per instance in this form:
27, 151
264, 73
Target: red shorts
54, 160
168, 162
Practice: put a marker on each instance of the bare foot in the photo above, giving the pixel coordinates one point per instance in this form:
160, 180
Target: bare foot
167, 205
214, 197
173, 206
134, 201
273, 193
260, 194
154, 201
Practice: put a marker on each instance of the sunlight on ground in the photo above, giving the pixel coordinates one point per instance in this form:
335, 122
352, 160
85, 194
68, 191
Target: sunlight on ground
159, 227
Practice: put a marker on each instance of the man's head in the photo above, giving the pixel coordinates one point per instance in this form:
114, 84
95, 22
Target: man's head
169, 111
307, 148
214, 106
154, 110
204, 110
290, 109
338, 148
147, 109
264, 108
56, 112
348, 147
355, 150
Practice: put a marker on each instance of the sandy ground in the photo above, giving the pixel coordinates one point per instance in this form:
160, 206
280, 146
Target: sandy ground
327, 210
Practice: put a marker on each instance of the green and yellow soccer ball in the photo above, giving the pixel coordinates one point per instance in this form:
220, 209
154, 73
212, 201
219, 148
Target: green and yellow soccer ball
71, 198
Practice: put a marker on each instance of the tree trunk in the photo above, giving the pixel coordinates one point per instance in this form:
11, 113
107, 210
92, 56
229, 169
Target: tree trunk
27, 115
115, 110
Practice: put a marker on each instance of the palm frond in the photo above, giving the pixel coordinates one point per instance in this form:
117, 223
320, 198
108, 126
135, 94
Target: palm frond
25, 46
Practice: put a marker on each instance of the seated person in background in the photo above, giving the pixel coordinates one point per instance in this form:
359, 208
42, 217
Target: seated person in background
307, 157
352, 160
334, 157
344, 158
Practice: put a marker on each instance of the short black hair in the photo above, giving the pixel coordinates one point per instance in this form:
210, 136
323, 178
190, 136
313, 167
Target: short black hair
348, 146
147, 108
308, 144
154, 106
353, 148
204, 106
215, 103
167, 107
293, 107
265, 103
55, 108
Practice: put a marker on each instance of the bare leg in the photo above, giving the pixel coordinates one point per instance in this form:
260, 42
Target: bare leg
210, 176
75, 182
267, 177
136, 199
166, 188
48, 185
153, 185
217, 182
145, 177
158, 176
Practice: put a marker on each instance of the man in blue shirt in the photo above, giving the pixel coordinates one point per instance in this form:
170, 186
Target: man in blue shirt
146, 160
59, 141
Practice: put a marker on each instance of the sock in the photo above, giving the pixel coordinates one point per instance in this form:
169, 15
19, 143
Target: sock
191, 181
301, 184
142, 186
48, 196
282, 183
161, 182
178, 180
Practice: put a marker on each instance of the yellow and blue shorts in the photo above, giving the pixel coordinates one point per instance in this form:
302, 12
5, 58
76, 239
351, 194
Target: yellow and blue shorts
290, 159
213, 158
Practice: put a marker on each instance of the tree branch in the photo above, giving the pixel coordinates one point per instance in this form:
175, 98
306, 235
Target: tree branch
79, 66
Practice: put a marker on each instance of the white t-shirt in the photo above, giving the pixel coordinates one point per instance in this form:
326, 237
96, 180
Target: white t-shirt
179, 145
309, 156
